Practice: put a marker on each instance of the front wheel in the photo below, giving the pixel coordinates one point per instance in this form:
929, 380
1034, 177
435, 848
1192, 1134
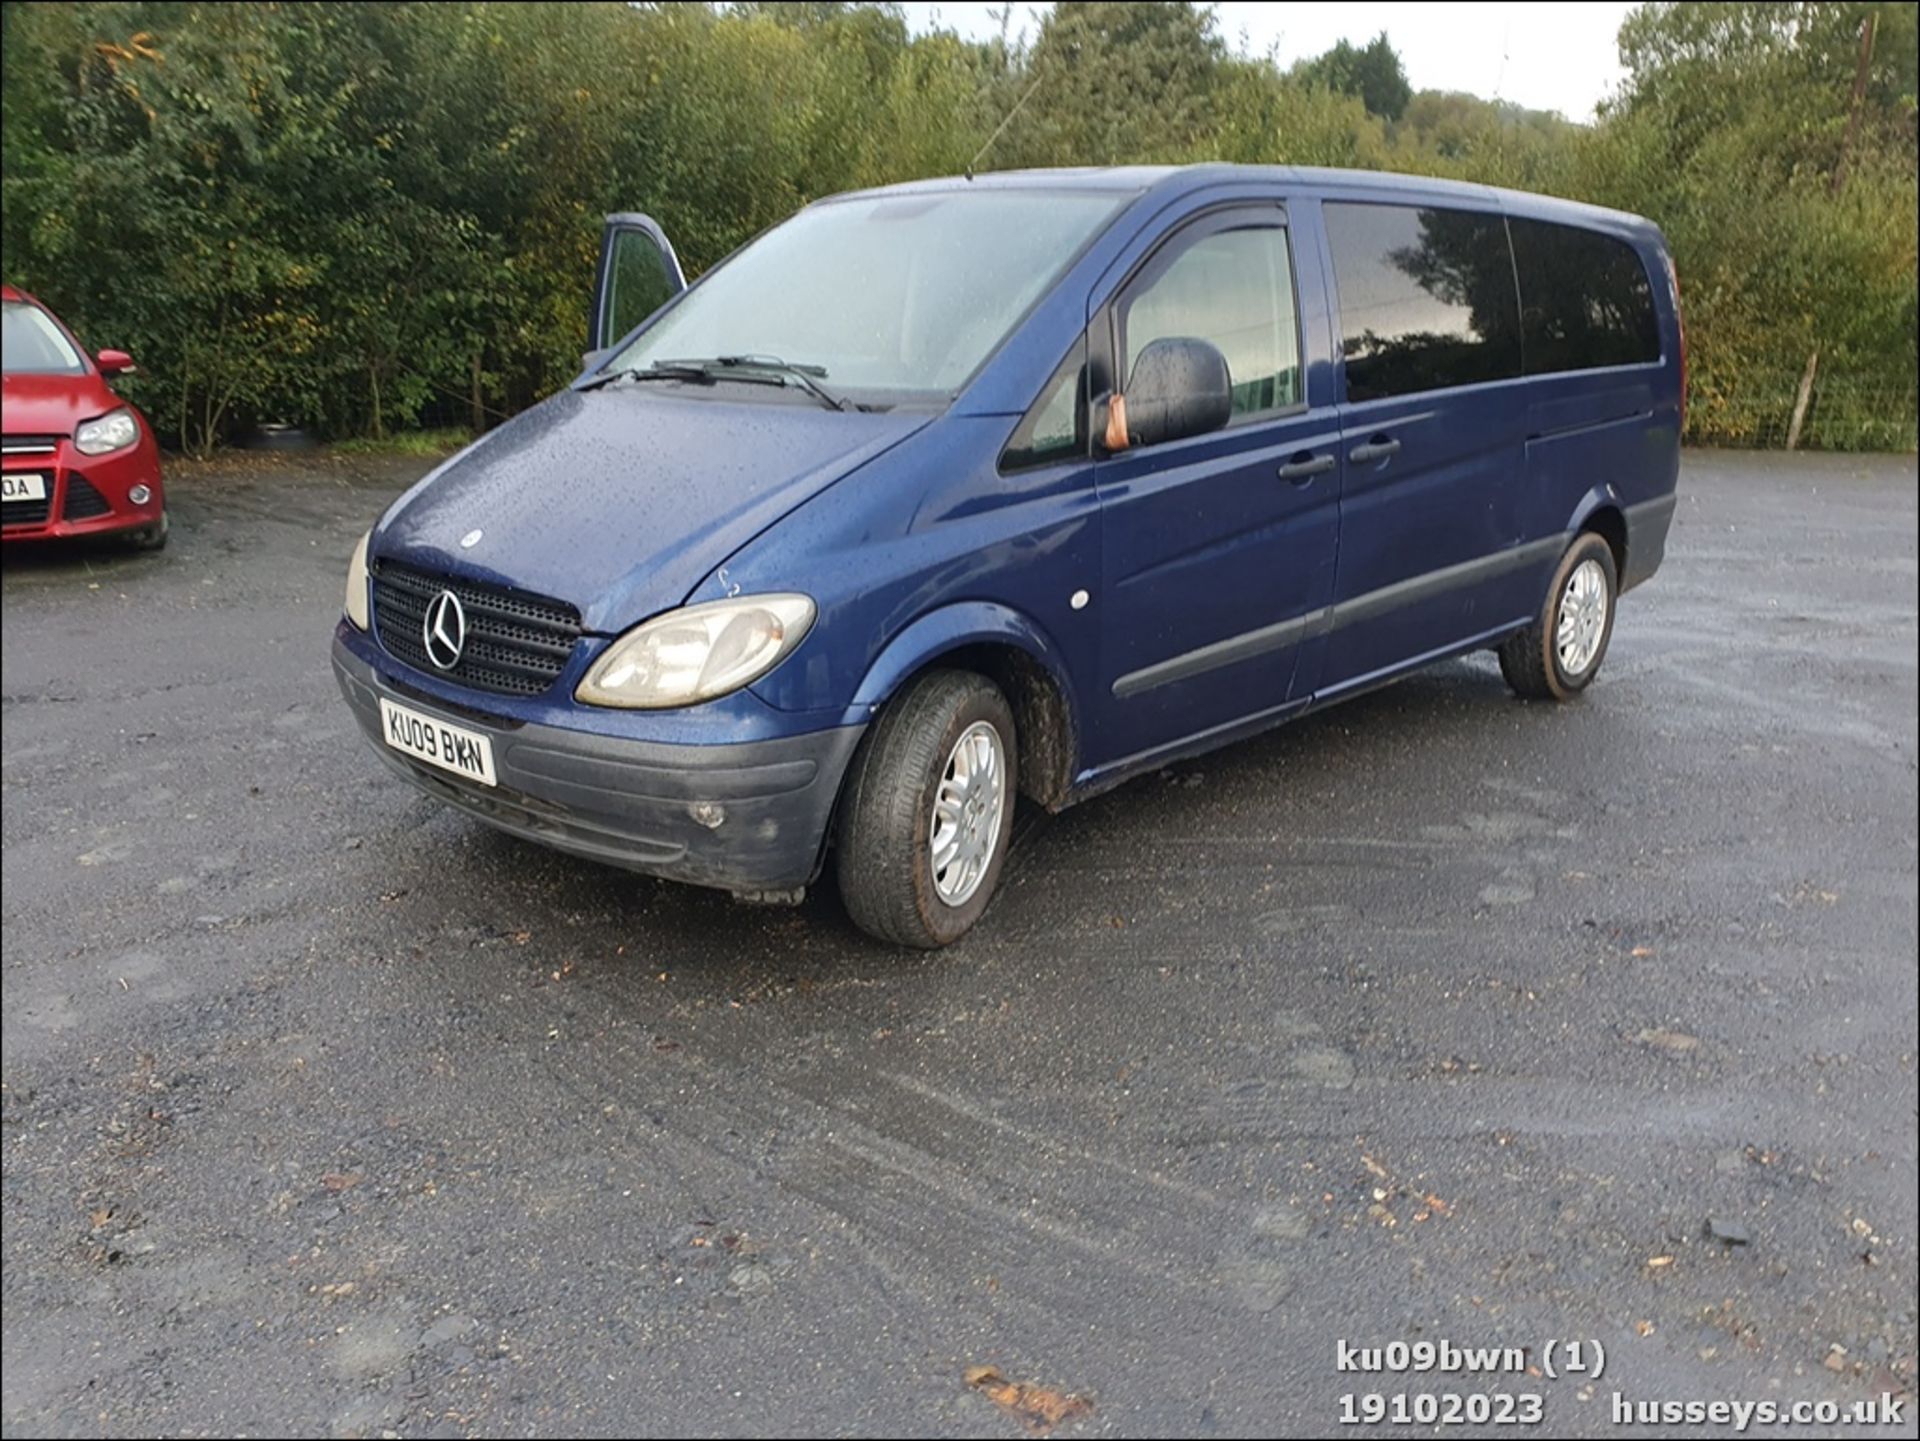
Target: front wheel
1558, 656
925, 820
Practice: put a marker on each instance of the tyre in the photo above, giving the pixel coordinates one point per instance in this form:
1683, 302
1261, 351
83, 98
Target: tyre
1558, 656
150, 537
927, 814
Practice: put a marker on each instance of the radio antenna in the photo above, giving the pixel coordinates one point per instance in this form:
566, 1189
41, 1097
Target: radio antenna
1003, 125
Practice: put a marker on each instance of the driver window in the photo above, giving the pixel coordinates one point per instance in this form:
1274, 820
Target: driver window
637, 283
1235, 289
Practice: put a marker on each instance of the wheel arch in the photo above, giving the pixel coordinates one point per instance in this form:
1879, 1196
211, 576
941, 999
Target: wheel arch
1017, 655
1601, 512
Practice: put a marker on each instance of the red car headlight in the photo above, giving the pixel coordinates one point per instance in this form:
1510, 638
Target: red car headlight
116, 430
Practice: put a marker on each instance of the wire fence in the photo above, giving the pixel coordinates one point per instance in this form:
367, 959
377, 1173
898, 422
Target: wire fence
1844, 413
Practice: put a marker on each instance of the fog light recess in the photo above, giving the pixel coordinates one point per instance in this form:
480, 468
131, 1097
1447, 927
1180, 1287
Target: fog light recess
140, 495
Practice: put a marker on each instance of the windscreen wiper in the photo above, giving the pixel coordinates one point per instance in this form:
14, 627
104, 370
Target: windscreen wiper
746, 369
672, 370
805, 376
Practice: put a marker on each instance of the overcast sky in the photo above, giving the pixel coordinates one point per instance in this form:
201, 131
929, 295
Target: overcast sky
1545, 56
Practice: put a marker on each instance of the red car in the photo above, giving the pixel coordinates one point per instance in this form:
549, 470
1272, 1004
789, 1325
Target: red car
78, 460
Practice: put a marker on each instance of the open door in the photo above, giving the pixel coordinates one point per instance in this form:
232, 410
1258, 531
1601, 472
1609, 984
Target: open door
638, 273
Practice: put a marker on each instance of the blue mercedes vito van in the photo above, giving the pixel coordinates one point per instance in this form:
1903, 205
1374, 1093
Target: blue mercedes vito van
954, 491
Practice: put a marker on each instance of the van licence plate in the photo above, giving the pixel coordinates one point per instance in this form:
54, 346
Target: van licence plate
450, 747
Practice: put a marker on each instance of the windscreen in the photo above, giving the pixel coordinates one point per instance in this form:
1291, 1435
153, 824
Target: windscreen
905, 294
31, 344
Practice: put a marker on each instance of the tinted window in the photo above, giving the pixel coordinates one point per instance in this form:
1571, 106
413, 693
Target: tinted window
1426, 298
1234, 288
1584, 299
1055, 428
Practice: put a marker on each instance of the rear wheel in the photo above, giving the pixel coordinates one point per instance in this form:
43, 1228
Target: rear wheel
924, 823
1558, 656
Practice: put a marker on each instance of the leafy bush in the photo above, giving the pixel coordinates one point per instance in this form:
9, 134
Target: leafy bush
364, 218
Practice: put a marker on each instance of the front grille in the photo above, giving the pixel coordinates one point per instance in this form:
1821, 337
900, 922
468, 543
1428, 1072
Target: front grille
26, 512
30, 444
517, 644
83, 501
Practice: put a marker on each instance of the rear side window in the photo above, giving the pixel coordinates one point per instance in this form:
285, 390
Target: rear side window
1234, 288
1426, 298
1585, 300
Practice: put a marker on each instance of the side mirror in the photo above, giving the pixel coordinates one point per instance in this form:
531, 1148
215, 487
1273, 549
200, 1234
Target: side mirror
114, 362
1179, 387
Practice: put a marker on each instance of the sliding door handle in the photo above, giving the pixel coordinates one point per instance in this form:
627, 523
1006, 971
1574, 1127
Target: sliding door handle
1303, 467
1378, 447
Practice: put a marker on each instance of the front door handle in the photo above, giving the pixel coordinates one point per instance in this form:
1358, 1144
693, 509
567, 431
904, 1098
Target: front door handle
1378, 447
1303, 467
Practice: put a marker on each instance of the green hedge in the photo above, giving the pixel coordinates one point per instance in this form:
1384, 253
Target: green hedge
363, 217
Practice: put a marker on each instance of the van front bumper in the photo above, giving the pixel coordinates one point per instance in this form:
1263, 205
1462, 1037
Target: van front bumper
632, 803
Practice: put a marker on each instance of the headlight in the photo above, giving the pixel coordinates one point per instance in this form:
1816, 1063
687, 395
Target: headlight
357, 583
698, 653
116, 430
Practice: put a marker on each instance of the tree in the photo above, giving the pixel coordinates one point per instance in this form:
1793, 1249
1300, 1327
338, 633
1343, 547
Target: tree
365, 217
1118, 83
1373, 72
1732, 132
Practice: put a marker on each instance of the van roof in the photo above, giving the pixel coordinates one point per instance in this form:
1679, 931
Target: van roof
1173, 181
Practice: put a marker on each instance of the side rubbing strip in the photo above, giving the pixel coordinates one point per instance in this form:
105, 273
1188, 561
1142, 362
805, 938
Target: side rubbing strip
1233, 649
1413, 590
1362, 608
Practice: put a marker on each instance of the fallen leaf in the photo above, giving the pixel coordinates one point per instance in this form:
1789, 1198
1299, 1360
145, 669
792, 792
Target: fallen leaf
337, 1181
1645, 1328
1640, 953
1656, 1262
1374, 1166
100, 1218
1038, 1408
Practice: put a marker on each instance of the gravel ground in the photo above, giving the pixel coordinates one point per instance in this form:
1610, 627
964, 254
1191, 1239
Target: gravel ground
1436, 1017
